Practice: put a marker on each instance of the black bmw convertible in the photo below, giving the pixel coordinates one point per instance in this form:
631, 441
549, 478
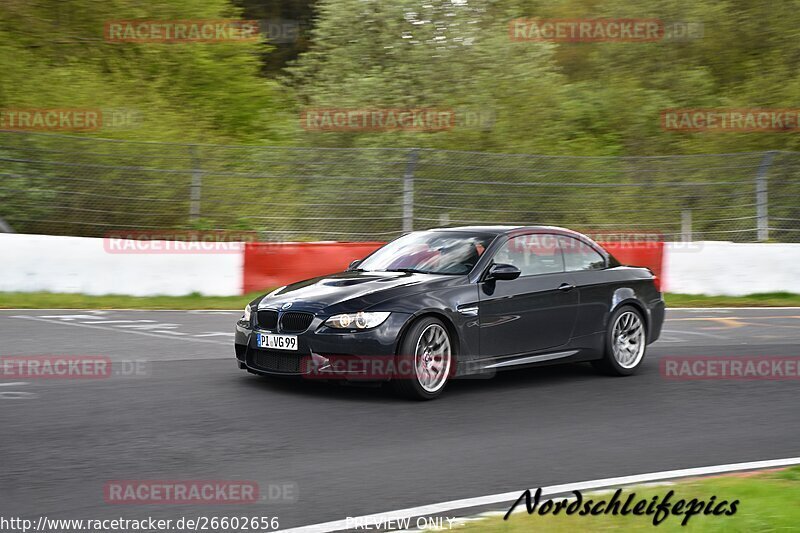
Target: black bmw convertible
444, 303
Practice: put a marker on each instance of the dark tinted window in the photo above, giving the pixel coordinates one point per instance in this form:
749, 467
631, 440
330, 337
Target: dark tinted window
580, 256
435, 252
532, 254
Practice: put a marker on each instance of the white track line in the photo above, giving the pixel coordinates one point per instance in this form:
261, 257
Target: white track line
115, 330
507, 497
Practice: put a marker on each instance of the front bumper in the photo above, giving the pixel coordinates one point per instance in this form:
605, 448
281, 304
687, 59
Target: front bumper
322, 351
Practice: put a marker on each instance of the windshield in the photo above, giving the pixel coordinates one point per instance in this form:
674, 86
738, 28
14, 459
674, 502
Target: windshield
430, 252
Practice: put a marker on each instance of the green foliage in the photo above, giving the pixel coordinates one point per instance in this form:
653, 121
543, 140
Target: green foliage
54, 55
532, 97
439, 54
588, 99
565, 98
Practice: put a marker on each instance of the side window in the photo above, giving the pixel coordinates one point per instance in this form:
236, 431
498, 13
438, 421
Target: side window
580, 256
532, 254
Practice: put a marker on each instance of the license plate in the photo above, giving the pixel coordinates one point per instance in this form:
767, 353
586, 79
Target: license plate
277, 342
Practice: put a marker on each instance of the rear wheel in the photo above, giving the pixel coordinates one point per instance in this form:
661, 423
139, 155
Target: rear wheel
425, 360
626, 342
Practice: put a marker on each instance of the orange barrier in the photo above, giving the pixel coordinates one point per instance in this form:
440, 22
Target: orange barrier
270, 265
642, 254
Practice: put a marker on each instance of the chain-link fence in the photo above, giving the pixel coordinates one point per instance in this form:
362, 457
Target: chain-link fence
70, 185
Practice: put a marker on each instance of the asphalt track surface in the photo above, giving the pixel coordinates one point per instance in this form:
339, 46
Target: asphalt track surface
351, 451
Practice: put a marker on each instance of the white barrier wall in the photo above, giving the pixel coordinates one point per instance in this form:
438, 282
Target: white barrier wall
30, 263
731, 269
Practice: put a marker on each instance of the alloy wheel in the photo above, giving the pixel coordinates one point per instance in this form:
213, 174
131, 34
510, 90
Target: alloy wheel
432, 358
628, 340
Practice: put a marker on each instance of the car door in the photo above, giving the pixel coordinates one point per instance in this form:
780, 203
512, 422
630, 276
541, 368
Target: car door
534, 312
587, 268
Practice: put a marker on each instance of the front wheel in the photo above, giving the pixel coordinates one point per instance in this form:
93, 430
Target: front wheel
425, 360
626, 341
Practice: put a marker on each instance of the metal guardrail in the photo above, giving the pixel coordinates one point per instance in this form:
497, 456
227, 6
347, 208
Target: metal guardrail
74, 185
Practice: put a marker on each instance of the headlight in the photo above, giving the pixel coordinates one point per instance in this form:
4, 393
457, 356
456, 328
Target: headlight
360, 320
246, 316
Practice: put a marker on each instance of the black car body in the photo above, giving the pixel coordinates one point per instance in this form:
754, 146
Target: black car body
515, 306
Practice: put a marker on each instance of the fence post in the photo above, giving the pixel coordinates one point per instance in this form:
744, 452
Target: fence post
195, 191
762, 206
408, 191
686, 225
5, 228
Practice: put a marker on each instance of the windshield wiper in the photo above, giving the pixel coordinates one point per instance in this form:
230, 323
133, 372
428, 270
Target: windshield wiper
409, 270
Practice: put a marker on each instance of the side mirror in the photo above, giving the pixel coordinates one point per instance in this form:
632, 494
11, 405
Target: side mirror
354, 264
501, 271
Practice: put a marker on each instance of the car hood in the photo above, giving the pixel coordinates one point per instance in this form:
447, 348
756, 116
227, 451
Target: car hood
356, 290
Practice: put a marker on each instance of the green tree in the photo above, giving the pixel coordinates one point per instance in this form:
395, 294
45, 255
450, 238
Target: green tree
55, 55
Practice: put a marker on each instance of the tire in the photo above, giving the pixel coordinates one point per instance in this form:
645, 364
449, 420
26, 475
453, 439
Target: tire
625, 343
426, 345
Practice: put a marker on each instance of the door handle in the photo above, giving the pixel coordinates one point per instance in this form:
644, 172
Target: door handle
566, 287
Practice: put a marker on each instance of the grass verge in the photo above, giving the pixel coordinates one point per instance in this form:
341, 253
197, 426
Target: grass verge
767, 502
48, 300
766, 299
